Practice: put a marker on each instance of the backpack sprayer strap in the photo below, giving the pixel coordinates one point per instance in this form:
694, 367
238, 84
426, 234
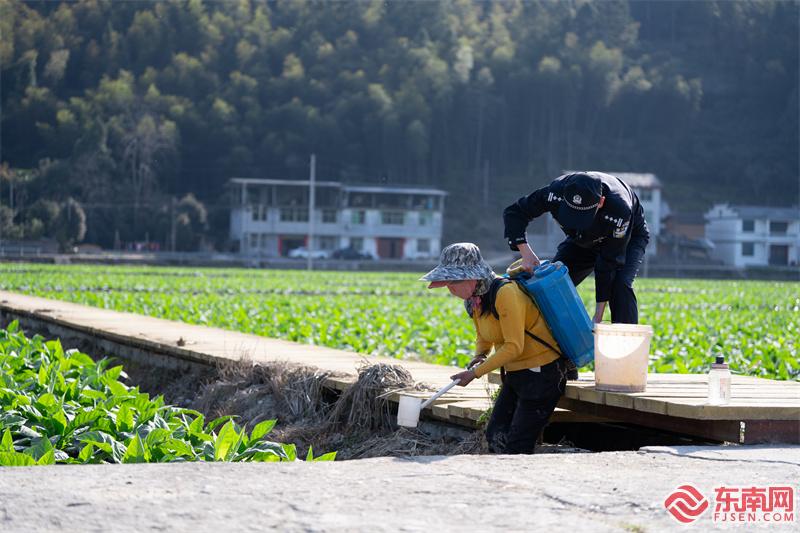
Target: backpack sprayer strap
572, 369
542, 341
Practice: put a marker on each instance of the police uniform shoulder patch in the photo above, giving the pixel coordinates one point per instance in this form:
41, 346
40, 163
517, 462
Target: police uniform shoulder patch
621, 230
553, 198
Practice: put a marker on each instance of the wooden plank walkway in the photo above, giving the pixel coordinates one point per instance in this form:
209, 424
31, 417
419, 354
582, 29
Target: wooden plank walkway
761, 410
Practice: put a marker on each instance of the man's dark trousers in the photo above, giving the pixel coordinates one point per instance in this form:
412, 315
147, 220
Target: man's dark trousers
581, 261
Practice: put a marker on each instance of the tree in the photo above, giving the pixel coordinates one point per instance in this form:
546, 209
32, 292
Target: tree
8, 229
143, 145
191, 223
44, 214
70, 224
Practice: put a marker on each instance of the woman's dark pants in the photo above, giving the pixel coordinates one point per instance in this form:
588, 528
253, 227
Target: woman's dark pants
523, 407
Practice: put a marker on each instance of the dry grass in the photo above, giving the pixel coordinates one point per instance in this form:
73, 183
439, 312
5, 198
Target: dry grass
363, 406
407, 442
358, 423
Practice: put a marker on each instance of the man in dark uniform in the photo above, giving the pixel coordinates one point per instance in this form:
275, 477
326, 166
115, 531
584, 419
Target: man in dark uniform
606, 233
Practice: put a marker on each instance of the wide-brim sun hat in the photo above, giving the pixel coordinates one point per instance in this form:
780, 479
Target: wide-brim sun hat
458, 261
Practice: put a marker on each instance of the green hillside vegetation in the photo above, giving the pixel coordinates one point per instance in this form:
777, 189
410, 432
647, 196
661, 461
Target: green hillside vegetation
123, 106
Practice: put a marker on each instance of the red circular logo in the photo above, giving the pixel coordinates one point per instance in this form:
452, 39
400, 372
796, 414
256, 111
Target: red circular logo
686, 504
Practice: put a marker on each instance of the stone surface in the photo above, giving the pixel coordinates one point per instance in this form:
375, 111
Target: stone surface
616, 491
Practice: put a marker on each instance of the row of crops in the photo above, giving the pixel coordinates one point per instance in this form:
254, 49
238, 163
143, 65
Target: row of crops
63, 407
755, 325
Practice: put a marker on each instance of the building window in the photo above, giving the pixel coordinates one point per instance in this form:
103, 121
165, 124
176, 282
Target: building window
294, 214
424, 246
425, 219
778, 228
357, 243
259, 212
264, 240
645, 195
393, 218
748, 226
253, 241
329, 216
748, 249
358, 217
328, 242
424, 202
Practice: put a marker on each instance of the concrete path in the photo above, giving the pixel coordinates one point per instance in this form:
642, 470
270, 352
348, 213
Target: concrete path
619, 491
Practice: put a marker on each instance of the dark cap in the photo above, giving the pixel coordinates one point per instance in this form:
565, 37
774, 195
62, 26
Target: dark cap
582, 195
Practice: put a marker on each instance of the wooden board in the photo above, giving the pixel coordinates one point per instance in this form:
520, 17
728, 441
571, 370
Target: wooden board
685, 395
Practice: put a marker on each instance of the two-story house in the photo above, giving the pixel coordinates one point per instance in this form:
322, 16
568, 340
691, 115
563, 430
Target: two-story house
647, 187
746, 235
271, 217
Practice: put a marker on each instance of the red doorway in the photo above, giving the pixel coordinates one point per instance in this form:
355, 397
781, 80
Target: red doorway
390, 248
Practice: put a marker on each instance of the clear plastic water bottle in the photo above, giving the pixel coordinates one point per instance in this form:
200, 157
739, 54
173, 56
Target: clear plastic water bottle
719, 383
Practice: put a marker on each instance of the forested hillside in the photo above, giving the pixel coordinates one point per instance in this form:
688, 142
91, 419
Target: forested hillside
124, 105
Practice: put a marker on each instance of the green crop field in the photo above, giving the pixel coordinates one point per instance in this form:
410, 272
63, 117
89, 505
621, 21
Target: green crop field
756, 325
63, 407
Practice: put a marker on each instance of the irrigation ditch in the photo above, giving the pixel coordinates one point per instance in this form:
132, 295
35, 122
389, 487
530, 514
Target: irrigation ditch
357, 422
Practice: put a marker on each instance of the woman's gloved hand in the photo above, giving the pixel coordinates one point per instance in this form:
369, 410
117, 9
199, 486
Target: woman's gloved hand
465, 377
529, 259
477, 360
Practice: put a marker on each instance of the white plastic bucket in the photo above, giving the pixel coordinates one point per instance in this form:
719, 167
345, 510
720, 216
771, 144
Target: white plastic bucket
620, 357
408, 411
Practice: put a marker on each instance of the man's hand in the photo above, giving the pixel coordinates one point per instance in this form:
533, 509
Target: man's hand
529, 259
465, 377
600, 309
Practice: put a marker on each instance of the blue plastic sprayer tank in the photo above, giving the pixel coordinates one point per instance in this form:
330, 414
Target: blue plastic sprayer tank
562, 308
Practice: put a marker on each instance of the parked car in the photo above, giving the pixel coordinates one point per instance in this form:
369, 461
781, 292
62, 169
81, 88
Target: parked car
302, 253
350, 254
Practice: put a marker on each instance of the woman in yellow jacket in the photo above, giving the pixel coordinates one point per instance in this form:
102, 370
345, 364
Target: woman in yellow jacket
506, 320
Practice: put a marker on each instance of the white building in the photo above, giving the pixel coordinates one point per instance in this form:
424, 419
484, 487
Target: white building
648, 188
754, 236
547, 234
270, 217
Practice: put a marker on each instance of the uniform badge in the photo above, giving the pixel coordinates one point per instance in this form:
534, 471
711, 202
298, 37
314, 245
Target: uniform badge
577, 199
620, 231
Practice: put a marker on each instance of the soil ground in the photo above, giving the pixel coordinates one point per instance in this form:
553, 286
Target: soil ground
613, 491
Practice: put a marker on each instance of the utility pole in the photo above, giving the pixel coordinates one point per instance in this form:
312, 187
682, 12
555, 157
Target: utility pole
485, 183
311, 205
172, 225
